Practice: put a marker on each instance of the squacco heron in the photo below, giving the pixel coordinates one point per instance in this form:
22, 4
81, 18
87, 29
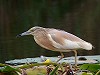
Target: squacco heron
57, 40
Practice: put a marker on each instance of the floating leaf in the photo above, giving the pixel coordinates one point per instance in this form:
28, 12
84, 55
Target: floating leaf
7, 69
91, 67
84, 73
36, 71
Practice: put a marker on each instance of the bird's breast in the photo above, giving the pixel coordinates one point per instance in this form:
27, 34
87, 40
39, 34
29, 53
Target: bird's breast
44, 42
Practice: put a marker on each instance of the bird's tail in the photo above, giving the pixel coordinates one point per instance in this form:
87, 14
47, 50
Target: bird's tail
86, 45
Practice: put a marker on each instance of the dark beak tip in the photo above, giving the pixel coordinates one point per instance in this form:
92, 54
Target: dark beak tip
18, 36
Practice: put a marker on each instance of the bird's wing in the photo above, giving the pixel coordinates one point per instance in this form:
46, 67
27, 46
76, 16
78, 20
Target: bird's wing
64, 40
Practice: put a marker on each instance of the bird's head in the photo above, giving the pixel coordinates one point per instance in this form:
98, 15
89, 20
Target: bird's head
30, 31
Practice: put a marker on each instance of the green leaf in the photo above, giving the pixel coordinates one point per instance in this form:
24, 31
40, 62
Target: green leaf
7, 69
54, 71
91, 67
84, 73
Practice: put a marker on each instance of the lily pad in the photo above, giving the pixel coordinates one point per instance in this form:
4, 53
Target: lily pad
91, 67
6, 69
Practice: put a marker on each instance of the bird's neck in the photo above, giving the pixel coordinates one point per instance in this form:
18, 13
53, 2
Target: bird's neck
40, 32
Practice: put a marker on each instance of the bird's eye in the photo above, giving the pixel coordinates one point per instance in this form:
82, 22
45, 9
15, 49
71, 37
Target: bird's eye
32, 30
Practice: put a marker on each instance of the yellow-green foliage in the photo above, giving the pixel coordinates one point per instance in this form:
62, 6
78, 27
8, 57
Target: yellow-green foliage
37, 71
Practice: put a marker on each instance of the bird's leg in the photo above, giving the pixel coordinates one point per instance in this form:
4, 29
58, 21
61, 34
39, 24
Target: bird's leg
75, 58
62, 55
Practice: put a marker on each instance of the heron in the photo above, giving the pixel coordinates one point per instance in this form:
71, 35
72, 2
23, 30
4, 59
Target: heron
57, 40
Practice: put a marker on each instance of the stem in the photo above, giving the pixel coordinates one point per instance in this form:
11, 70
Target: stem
97, 73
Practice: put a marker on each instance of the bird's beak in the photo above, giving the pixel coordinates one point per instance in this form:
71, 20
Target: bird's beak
23, 34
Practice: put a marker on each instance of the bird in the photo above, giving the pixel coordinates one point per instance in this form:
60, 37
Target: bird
57, 40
